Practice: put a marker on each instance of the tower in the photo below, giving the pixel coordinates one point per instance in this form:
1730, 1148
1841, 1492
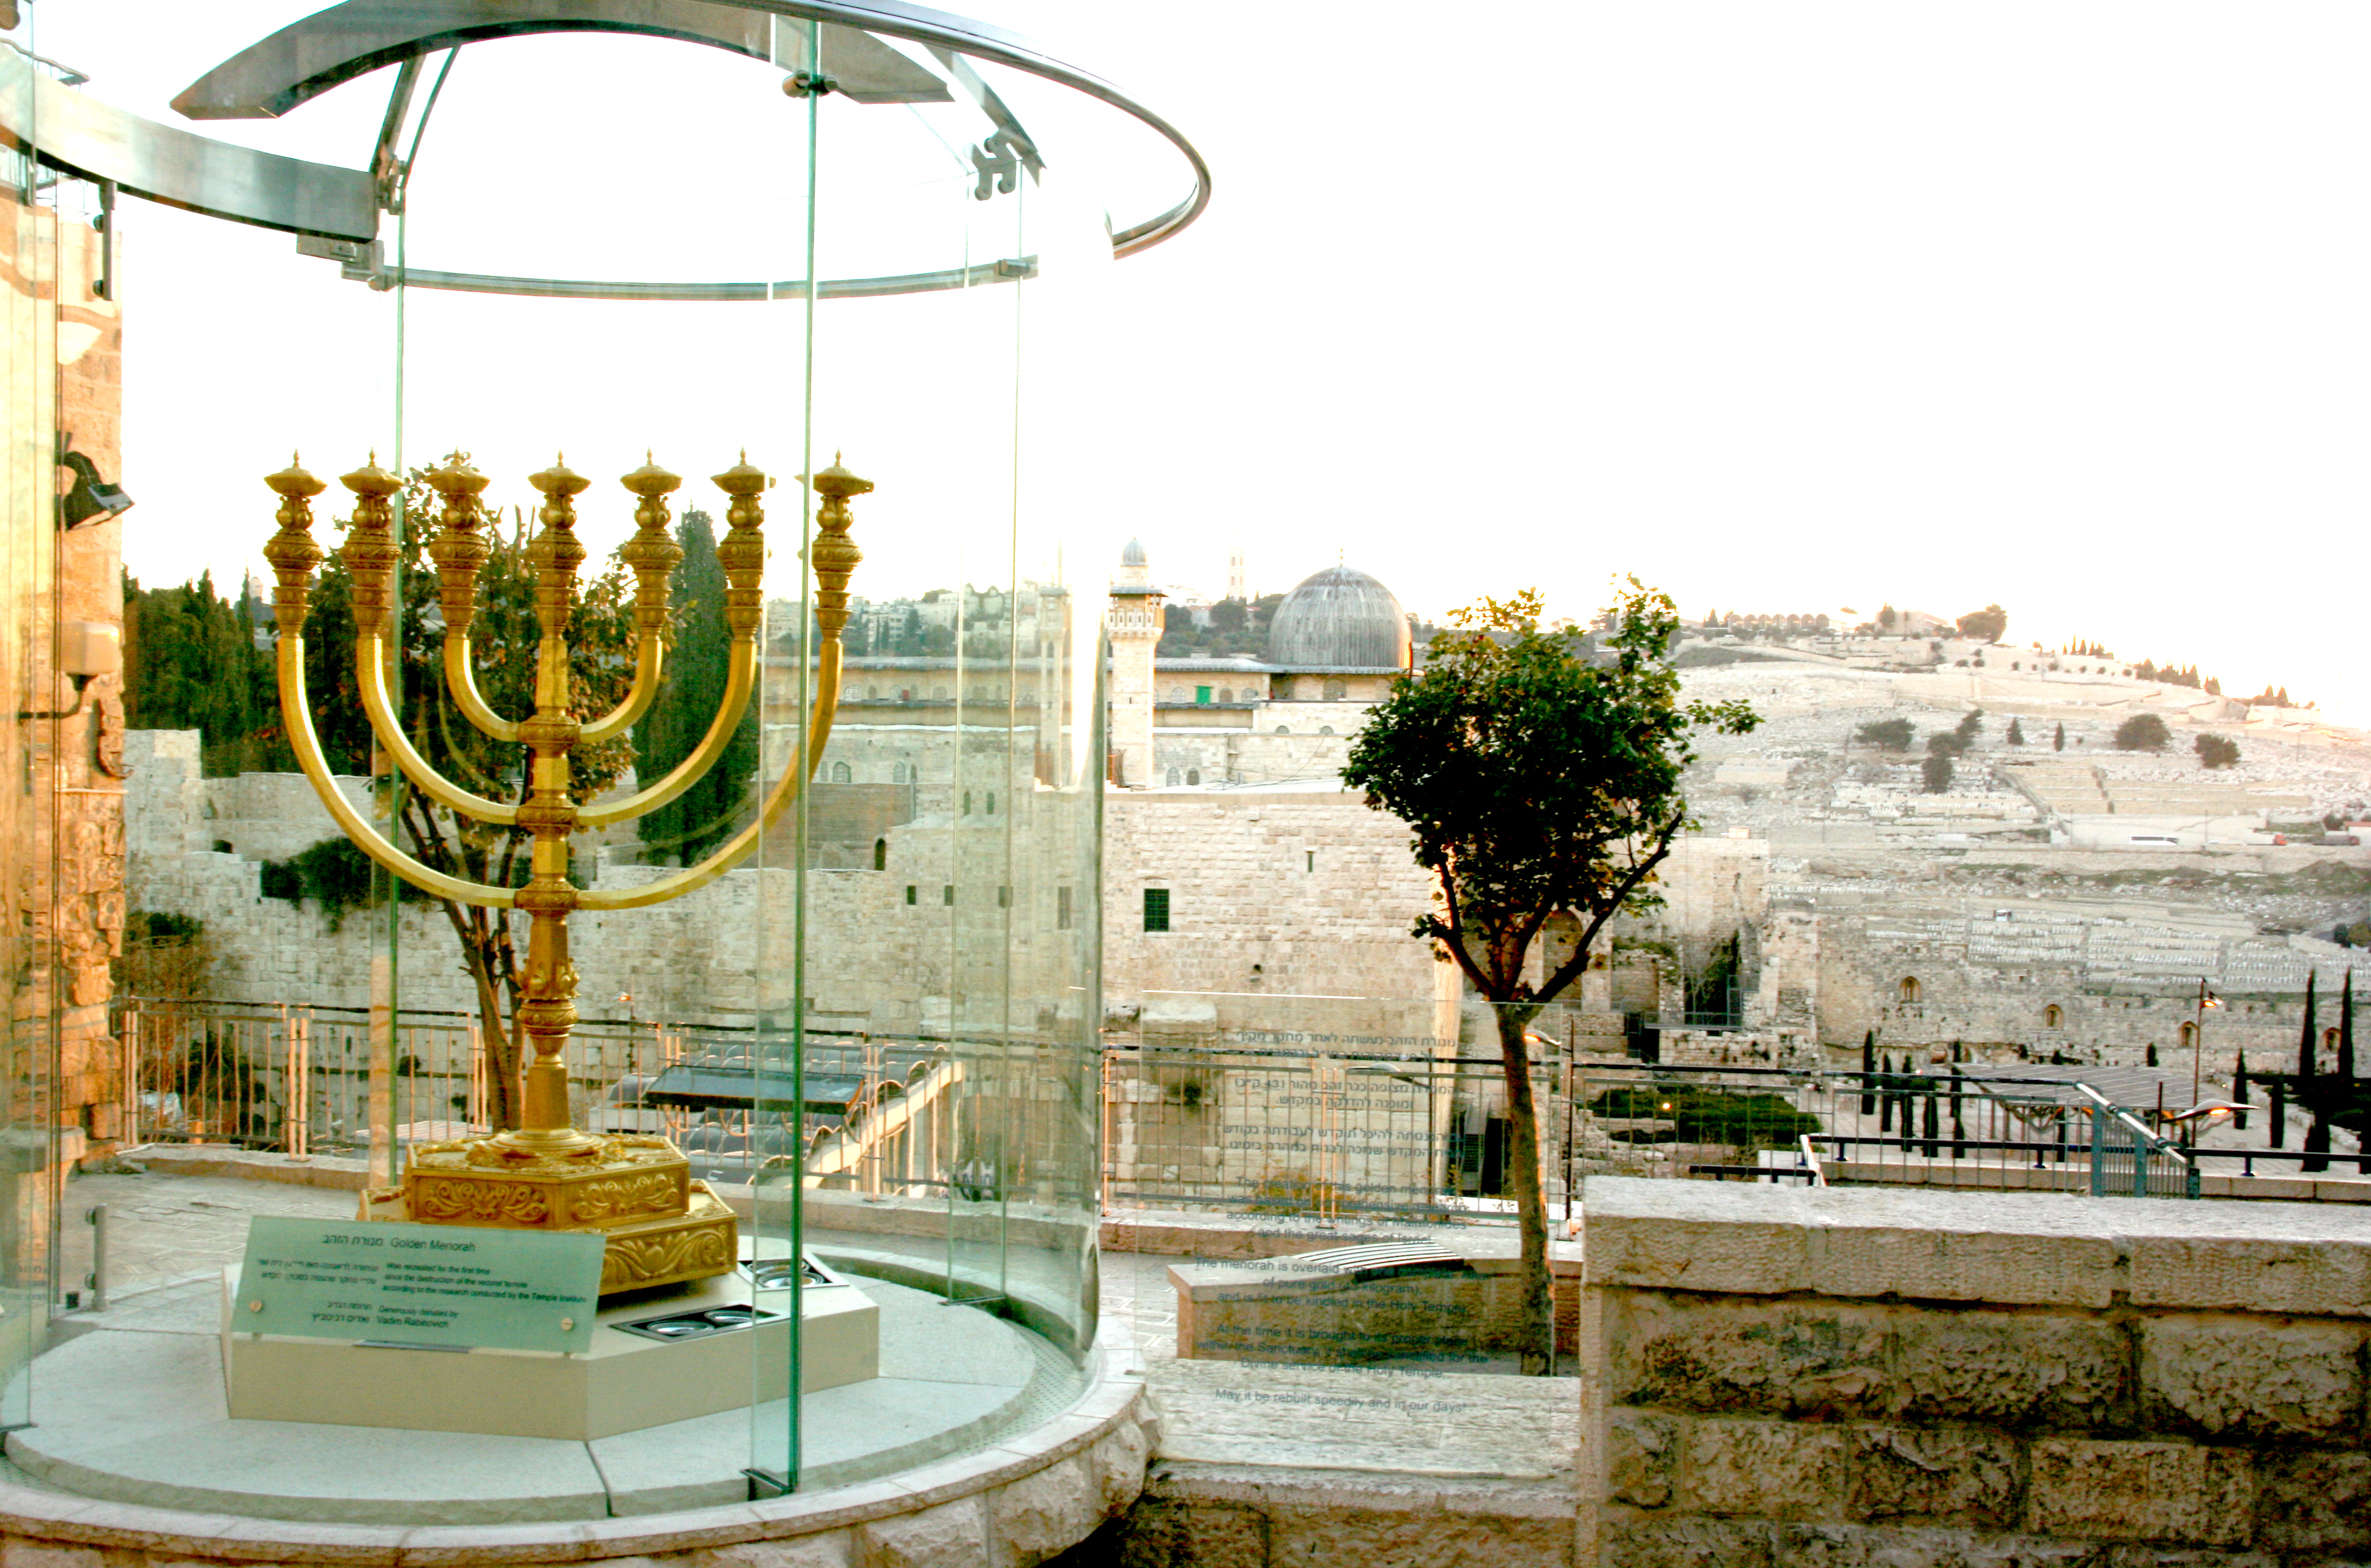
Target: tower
1134, 623
1238, 580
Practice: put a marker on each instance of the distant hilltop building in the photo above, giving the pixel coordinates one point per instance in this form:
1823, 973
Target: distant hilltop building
1779, 626
1238, 579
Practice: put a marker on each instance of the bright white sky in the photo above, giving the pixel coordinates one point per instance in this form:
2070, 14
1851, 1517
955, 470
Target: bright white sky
1783, 308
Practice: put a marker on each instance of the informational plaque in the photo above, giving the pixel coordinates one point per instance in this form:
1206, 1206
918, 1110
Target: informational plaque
456, 1287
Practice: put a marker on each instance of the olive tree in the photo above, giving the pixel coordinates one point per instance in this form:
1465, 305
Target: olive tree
1540, 778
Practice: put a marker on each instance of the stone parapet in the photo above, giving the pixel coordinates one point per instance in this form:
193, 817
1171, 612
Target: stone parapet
1858, 1375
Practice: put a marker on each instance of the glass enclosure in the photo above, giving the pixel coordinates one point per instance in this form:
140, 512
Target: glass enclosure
850, 968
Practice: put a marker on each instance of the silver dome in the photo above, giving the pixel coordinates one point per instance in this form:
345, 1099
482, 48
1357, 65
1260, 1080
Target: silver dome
1134, 554
1339, 619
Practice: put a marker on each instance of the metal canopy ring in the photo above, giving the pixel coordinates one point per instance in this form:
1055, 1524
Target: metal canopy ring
352, 38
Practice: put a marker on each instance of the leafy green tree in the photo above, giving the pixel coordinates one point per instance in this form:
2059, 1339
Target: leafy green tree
2143, 731
1230, 616
1986, 625
1887, 734
1935, 773
1538, 782
190, 661
692, 691
2217, 750
601, 670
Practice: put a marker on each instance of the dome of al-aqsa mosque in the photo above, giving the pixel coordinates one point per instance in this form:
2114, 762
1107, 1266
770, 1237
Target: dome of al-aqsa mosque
1339, 619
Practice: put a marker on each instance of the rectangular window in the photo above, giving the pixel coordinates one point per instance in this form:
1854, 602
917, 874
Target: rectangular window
1313, 860
947, 895
1004, 898
910, 893
1202, 695
1061, 909
1156, 909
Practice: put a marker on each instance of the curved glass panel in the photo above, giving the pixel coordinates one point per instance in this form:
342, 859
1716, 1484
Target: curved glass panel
826, 846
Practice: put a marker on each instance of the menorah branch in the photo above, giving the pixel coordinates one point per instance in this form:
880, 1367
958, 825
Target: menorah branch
370, 676
740, 676
462, 682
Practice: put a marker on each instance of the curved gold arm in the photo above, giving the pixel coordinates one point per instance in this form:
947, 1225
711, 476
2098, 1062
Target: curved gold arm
370, 674
462, 682
649, 659
786, 789
741, 675
296, 716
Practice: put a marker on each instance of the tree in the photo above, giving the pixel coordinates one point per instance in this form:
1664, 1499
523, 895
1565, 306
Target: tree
2058, 741
190, 661
691, 691
1985, 624
2218, 750
1230, 616
2143, 731
2016, 733
600, 630
1887, 734
1886, 616
1936, 772
2316, 1130
1537, 782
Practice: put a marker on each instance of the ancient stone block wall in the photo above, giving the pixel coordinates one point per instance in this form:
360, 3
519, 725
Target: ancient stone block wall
1840, 1375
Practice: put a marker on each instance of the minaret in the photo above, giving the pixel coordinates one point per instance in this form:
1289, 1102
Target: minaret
1134, 623
1238, 580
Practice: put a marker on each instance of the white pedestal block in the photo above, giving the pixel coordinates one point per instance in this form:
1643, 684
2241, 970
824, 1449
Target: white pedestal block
626, 1382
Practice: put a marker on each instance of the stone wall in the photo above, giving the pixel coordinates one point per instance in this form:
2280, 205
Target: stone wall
1776, 1378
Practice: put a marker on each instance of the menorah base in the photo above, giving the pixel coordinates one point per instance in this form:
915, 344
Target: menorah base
662, 1227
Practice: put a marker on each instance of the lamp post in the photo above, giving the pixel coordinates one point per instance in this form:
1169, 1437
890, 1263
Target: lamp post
2206, 998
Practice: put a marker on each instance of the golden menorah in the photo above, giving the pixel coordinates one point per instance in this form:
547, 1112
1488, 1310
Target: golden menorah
547, 1174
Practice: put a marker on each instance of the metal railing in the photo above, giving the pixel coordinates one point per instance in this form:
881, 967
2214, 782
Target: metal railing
1256, 1128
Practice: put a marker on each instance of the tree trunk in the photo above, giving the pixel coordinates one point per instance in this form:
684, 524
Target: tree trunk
1535, 1341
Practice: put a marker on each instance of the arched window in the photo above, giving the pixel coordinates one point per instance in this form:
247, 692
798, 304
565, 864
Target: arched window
1337, 689
1284, 729
1175, 778
897, 775
1324, 728
1226, 694
880, 854
871, 692
2329, 1039
991, 802
1193, 775
2053, 1017
839, 773
2188, 1034
938, 694
1909, 988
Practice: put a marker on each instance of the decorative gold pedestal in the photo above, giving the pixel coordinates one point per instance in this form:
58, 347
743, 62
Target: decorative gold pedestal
663, 1227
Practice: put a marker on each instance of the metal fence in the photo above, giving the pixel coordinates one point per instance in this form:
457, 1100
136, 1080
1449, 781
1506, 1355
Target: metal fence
1255, 1128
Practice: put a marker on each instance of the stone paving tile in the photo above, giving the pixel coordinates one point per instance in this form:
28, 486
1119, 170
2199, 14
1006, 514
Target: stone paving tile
171, 1228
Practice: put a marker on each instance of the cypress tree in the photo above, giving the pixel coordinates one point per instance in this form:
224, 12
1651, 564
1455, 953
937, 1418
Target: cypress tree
2058, 741
1867, 1067
2278, 1112
2239, 1091
1885, 1097
690, 692
1934, 1128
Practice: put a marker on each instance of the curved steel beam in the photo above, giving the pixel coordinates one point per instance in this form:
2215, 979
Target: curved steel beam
92, 138
359, 36
306, 59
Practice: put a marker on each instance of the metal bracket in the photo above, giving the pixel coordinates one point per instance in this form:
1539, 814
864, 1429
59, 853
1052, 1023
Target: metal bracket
999, 160
766, 1484
808, 84
358, 260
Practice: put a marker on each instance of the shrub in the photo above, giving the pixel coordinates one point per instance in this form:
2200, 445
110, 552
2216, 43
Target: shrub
1888, 734
2218, 750
2143, 731
1935, 773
